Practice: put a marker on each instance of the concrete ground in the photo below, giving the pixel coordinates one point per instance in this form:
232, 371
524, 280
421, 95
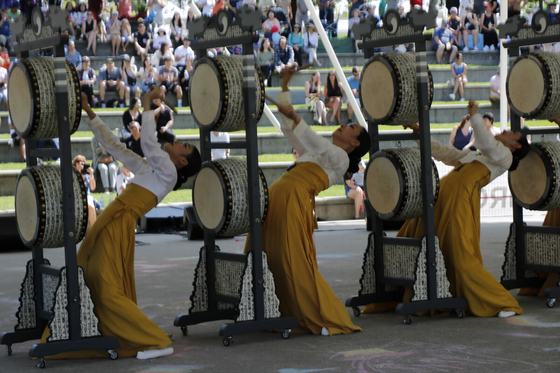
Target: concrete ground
164, 275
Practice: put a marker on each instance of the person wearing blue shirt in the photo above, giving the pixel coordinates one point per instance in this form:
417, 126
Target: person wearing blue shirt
354, 82
5, 33
442, 40
295, 40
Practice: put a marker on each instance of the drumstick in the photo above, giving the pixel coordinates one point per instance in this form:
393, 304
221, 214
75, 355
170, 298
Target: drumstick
271, 100
165, 101
305, 66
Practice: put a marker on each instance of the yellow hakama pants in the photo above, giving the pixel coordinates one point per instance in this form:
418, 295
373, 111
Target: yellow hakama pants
457, 224
107, 257
287, 237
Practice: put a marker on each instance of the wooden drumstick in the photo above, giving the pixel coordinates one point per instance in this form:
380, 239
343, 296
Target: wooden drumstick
271, 100
162, 97
305, 66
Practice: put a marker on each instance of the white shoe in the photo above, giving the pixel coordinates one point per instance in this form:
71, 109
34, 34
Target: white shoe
466, 49
462, 99
492, 48
449, 83
325, 331
486, 49
452, 96
152, 354
506, 314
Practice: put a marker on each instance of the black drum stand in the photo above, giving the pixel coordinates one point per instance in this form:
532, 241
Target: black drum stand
416, 263
50, 296
235, 286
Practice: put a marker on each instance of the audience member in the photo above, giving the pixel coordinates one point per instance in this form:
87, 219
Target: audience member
177, 30
354, 82
53, 144
488, 119
326, 10
123, 179
79, 19
168, 76
462, 135
5, 57
266, 5
89, 28
156, 7
3, 84
164, 121
463, 7
101, 30
107, 167
487, 22
126, 33
469, 24
114, 27
142, 39
16, 140
161, 38
355, 4
129, 76
223, 137
184, 56
283, 55
354, 21
313, 96
302, 12
206, 7
158, 56
73, 55
69, 7
134, 142
132, 114
514, 8
478, 7
454, 24
333, 97
310, 42
14, 11
87, 79
110, 81
5, 33
269, 23
295, 40
442, 40
125, 10
265, 61
495, 89
354, 192
79, 162
148, 75
95, 6
459, 72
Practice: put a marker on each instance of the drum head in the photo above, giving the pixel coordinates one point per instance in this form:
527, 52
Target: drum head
208, 193
383, 186
26, 209
377, 90
20, 92
529, 181
206, 94
526, 87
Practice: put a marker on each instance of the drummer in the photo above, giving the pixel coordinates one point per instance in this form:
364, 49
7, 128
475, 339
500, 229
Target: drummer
107, 252
457, 217
288, 229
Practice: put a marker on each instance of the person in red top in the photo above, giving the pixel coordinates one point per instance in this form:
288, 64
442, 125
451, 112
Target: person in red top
125, 9
414, 3
6, 57
95, 6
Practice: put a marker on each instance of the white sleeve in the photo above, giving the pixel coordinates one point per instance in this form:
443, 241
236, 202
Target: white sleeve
116, 148
488, 145
446, 153
157, 158
286, 124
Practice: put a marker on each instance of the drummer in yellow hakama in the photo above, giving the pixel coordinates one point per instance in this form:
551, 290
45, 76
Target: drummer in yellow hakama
107, 252
288, 230
457, 217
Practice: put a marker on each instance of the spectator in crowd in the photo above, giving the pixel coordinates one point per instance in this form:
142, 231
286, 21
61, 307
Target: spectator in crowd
495, 6
354, 21
3, 84
89, 28
354, 192
487, 22
469, 24
95, 6
161, 38
514, 8
125, 10
134, 142
326, 10
269, 23
79, 19
462, 135
73, 55
223, 137
177, 30
14, 11
265, 61
454, 24
156, 7
488, 119
107, 167
284, 55
478, 7
301, 13
5, 33
354, 82
450, 4
459, 72
126, 33
123, 179
295, 40
87, 79
184, 56
310, 42
16, 140
168, 75
551, 12
148, 74
495, 89
5, 57
101, 30
463, 7
266, 5
110, 81
114, 27
158, 57
333, 97
313, 96
355, 4
69, 7
286, 6
79, 162
142, 39
132, 114
129, 76
164, 121
442, 40
206, 7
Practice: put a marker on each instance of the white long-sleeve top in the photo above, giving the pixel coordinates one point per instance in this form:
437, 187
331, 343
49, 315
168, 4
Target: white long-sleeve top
156, 172
493, 154
312, 147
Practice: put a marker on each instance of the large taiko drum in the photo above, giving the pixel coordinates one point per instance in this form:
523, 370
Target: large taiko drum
32, 96
39, 213
534, 184
533, 85
388, 91
221, 196
393, 183
216, 93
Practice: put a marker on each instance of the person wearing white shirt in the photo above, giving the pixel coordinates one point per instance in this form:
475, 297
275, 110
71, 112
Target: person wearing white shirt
457, 216
287, 233
184, 54
222, 137
206, 7
161, 38
107, 253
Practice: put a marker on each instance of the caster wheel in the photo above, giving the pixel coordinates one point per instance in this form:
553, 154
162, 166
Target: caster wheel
356, 311
550, 302
42, 363
227, 341
286, 333
114, 355
407, 320
9, 348
184, 330
460, 313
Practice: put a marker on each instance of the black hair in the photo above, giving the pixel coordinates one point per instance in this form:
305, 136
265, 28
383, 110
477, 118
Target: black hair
191, 169
133, 102
520, 153
488, 115
356, 155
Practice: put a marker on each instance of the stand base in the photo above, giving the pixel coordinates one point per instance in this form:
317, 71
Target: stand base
19, 336
57, 347
256, 325
523, 283
362, 300
426, 305
200, 317
551, 293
